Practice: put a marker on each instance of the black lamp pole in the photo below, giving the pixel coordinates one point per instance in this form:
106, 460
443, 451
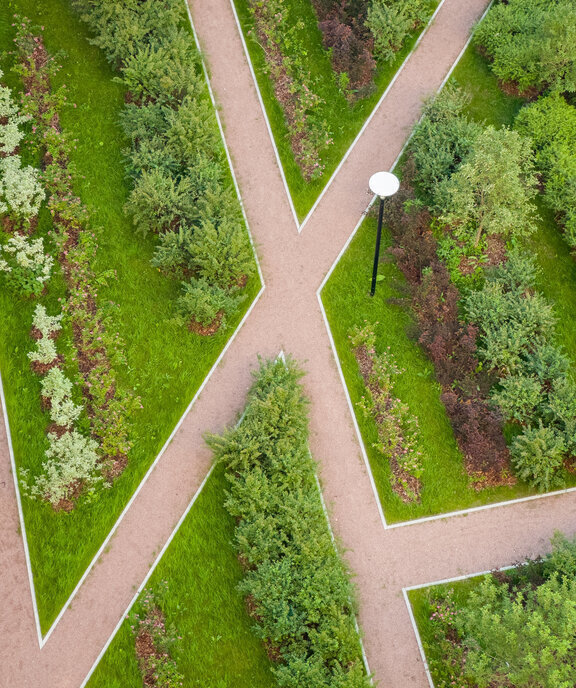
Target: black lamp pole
377, 251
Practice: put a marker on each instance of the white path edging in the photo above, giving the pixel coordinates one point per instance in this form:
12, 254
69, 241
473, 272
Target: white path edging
43, 639
20, 512
147, 577
263, 108
371, 115
300, 225
435, 517
444, 581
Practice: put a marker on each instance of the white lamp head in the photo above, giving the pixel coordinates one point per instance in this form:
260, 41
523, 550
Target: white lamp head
384, 184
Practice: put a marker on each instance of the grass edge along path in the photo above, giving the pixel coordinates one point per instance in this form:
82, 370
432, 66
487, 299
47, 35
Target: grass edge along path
201, 571
162, 359
417, 387
304, 194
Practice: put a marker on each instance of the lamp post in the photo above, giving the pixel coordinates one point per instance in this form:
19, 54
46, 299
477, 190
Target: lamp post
381, 184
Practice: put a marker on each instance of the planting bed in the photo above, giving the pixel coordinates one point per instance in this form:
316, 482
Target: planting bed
509, 627
164, 363
445, 484
339, 117
290, 579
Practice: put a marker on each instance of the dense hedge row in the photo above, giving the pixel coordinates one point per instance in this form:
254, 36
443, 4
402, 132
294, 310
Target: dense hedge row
516, 628
482, 201
182, 189
296, 586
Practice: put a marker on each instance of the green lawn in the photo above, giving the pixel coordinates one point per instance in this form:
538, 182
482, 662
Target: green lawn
445, 487
165, 363
344, 120
200, 567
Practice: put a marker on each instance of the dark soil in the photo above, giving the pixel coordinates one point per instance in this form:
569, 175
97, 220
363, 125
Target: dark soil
43, 368
206, 330
56, 429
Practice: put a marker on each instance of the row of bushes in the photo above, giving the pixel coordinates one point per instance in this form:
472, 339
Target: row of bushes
398, 431
530, 44
296, 585
359, 34
279, 32
449, 342
480, 183
182, 189
516, 628
75, 462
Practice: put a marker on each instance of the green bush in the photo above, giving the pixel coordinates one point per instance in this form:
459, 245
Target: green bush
531, 43
551, 124
537, 456
525, 639
518, 397
440, 142
182, 187
390, 22
207, 304
296, 584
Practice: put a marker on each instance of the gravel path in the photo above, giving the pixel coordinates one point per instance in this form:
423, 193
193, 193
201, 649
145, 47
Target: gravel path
286, 317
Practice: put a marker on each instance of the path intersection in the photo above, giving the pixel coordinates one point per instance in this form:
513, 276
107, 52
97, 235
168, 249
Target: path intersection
287, 317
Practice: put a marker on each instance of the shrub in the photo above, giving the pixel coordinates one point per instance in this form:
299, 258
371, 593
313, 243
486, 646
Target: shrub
45, 351
72, 462
525, 638
478, 429
351, 55
537, 456
297, 585
46, 324
122, 27
21, 193
531, 43
206, 304
562, 410
518, 397
390, 23
10, 121
159, 202
58, 389
551, 124
163, 71
28, 267
492, 191
440, 143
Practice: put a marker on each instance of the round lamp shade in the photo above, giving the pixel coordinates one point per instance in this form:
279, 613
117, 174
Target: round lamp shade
384, 184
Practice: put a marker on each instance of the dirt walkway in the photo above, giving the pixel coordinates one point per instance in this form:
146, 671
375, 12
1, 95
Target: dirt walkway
287, 317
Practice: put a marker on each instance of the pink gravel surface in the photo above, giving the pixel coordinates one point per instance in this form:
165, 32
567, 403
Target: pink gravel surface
287, 317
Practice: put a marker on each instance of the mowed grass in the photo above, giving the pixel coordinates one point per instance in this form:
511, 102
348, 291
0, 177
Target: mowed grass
201, 570
344, 120
445, 486
165, 363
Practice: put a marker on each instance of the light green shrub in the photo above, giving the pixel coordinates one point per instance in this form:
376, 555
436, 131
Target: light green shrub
21, 193
390, 22
45, 351
71, 460
58, 388
44, 323
27, 266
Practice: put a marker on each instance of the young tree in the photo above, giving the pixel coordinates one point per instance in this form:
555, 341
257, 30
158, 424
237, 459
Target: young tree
491, 192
